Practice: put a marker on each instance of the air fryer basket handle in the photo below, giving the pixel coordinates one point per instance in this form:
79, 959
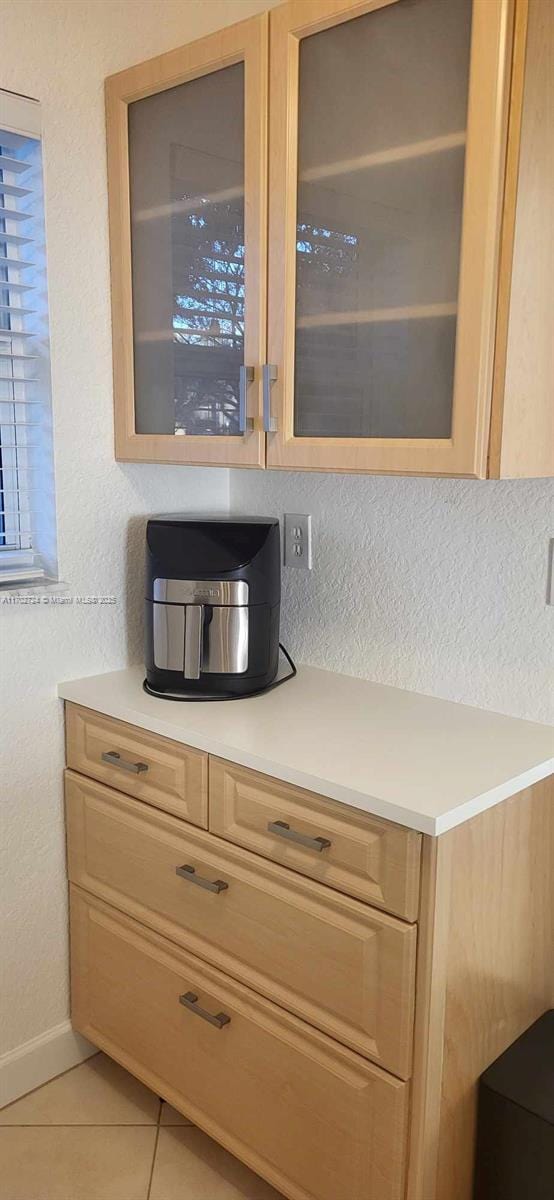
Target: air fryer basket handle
194, 627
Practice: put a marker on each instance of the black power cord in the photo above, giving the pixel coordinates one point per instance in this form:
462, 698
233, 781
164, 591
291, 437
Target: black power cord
225, 696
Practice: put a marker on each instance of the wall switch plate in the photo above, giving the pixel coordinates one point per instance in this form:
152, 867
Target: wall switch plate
298, 541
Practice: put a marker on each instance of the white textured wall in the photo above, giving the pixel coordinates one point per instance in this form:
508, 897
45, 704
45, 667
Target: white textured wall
60, 51
436, 585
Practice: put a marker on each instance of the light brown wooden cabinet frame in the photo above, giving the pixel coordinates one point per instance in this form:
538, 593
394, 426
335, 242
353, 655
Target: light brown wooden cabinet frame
478, 950
245, 42
485, 974
504, 370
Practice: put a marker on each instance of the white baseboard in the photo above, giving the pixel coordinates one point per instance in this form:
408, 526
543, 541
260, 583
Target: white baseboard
36, 1062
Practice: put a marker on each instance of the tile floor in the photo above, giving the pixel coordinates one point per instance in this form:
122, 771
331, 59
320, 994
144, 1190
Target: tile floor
96, 1133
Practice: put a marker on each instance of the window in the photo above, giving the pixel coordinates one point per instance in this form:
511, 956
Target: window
27, 512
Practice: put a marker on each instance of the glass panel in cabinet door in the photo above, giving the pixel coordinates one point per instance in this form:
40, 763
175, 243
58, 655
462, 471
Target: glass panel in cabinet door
186, 166
381, 139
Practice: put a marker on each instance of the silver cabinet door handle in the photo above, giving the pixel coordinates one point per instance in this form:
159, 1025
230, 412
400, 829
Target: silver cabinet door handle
283, 830
246, 376
187, 872
269, 375
190, 1001
115, 760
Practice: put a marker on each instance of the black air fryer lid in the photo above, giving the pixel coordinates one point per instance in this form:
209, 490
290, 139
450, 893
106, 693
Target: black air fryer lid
183, 546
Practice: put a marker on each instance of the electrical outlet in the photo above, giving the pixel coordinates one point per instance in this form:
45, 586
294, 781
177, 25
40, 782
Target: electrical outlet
298, 541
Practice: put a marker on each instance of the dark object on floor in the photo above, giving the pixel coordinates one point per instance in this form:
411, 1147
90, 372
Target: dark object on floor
515, 1136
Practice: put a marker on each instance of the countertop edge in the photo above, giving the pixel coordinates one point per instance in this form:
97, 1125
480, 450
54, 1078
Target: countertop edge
480, 804
386, 809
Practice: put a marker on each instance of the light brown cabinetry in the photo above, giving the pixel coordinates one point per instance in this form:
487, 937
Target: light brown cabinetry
374, 860
391, 334
280, 1003
152, 768
317, 1121
345, 968
187, 175
485, 974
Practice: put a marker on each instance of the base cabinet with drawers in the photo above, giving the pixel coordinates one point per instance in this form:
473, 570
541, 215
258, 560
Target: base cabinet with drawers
251, 919
315, 987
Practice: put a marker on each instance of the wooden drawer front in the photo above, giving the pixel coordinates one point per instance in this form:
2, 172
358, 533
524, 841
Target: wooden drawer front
316, 1120
342, 966
372, 859
176, 778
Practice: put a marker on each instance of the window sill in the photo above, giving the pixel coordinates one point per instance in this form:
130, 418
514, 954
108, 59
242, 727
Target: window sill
31, 588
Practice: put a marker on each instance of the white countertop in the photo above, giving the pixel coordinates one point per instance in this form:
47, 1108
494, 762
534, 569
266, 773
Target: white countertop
426, 763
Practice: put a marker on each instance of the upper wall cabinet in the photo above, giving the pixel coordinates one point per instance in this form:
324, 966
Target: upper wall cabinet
406, 150
187, 171
385, 187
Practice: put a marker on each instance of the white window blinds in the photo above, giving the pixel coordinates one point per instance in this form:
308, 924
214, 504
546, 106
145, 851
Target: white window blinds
27, 520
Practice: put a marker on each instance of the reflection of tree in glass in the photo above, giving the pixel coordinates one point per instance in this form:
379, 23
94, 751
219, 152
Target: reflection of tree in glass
323, 258
326, 372
208, 290
208, 321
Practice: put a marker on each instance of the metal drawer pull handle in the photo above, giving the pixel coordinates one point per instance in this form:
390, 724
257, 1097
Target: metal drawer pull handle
190, 1001
187, 872
283, 830
115, 760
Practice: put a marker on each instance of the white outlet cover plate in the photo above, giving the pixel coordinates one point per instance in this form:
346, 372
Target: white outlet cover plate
298, 541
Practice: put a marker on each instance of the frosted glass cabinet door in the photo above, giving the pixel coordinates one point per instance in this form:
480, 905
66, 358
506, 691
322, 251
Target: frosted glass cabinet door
387, 134
188, 214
